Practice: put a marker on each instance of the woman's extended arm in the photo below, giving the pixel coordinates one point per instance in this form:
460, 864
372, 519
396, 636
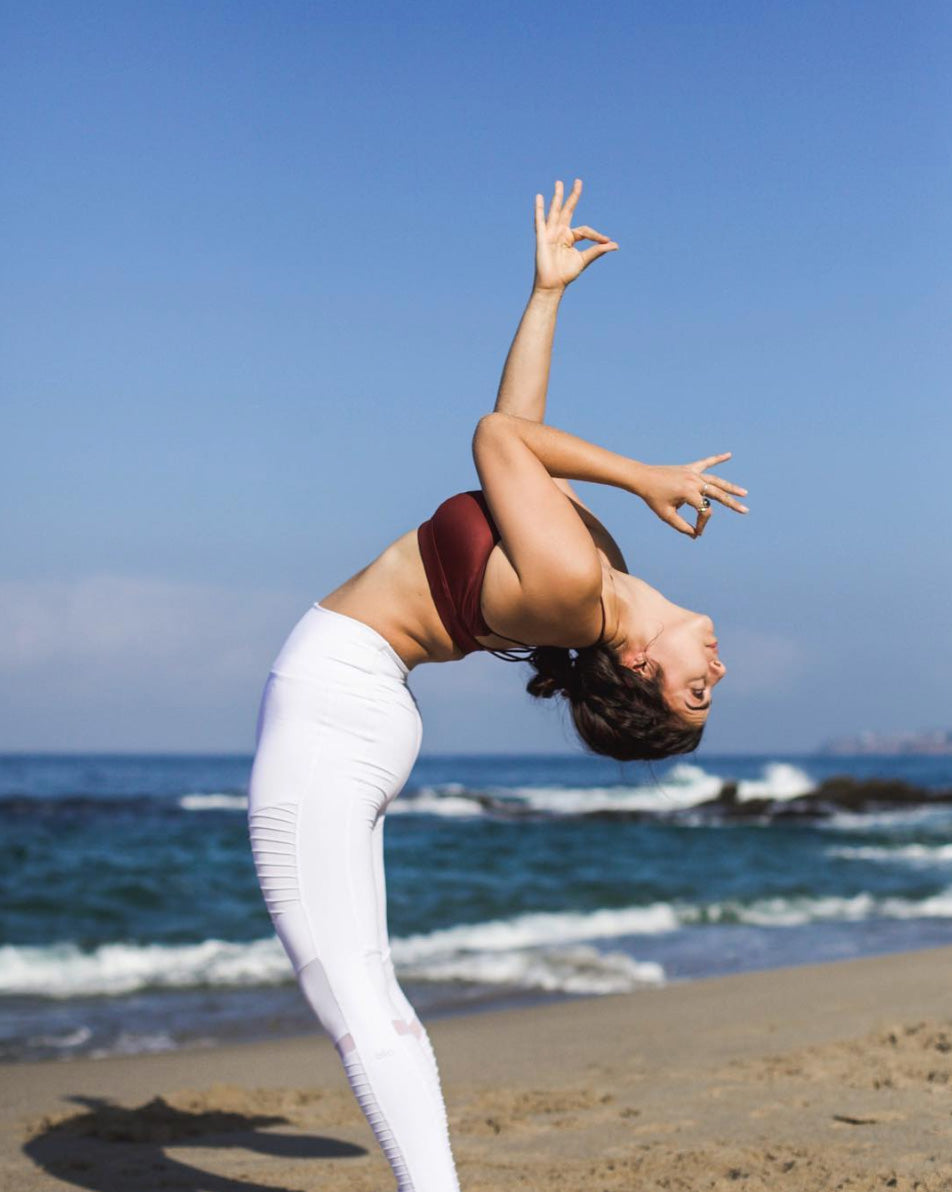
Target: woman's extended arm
559, 452
664, 488
525, 376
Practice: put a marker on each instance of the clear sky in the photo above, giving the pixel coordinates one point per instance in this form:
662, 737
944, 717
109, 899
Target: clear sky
263, 262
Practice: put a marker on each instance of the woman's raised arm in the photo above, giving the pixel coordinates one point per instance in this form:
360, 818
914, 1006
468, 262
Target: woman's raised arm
525, 376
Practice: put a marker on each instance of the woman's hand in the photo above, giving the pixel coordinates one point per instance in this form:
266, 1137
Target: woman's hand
558, 261
666, 487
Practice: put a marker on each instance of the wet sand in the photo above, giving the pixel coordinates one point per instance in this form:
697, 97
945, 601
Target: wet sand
833, 1076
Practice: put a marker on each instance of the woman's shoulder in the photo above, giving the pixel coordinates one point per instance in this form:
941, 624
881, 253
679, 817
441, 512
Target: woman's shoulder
600, 535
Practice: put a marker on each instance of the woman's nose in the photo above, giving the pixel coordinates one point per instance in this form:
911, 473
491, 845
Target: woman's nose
720, 670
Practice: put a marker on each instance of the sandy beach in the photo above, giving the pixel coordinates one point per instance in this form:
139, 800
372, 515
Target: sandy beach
813, 1077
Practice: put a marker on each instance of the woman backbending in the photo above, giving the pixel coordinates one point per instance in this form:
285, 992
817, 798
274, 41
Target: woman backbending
520, 561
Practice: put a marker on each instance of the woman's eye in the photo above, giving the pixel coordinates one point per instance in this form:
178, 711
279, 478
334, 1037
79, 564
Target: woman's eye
697, 693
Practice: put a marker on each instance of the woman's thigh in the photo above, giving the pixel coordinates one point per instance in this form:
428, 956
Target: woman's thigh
329, 762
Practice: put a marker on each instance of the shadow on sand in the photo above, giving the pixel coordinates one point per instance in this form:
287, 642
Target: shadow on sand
111, 1148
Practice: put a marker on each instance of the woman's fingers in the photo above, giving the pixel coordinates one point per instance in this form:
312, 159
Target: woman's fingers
704, 464
571, 201
584, 232
674, 519
555, 207
599, 250
724, 484
703, 517
551, 229
717, 494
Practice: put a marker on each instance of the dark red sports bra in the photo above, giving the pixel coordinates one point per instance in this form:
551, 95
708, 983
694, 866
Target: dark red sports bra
455, 544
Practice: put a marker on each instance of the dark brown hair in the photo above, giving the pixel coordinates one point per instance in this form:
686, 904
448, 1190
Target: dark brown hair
618, 712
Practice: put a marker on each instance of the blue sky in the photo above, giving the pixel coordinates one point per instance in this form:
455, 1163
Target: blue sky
263, 263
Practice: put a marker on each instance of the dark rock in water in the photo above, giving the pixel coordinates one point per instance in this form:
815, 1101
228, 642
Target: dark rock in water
857, 794
733, 808
840, 793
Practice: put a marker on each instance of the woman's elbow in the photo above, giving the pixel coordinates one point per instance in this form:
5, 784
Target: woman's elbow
487, 430
490, 423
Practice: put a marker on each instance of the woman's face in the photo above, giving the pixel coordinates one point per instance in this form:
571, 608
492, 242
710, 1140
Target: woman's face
686, 651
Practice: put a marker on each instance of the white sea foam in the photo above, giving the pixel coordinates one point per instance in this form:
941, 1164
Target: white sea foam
213, 802
683, 787
938, 906
72, 1038
794, 912
479, 954
534, 929
129, 1043
925, 854
780, 781
576, 969
63, 970
902, 817
540, 950
441, 800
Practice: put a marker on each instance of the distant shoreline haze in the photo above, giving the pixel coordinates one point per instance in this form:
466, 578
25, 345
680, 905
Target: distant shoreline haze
934, 743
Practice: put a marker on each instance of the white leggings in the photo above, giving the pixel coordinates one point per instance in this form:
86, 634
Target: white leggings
338, 734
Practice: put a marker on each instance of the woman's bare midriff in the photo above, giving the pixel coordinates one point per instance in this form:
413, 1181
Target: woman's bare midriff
392, 595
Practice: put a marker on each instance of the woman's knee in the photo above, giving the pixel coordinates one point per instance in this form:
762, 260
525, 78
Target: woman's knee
320, 996
347, 991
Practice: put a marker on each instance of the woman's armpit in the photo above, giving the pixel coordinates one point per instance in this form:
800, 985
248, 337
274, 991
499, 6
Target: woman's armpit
539, 618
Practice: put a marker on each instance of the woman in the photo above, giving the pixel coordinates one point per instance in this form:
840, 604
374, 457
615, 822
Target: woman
339, 728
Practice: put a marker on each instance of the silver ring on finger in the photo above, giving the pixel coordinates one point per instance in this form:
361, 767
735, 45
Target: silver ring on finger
705, 504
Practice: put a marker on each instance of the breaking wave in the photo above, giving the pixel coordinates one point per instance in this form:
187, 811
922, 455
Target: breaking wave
684, 787
538, 950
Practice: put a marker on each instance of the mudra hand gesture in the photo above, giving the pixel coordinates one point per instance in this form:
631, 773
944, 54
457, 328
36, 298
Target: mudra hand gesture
558, 261
666, 487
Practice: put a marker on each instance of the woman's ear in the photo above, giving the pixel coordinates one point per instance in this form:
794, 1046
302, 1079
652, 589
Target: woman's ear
638, 661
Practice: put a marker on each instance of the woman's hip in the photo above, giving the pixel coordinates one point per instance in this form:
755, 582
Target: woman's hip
335, 714
324, 638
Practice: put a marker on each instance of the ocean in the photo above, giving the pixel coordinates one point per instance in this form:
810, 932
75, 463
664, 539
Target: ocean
131, 920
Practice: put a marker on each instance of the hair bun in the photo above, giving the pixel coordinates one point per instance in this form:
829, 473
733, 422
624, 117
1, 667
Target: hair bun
555, 672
